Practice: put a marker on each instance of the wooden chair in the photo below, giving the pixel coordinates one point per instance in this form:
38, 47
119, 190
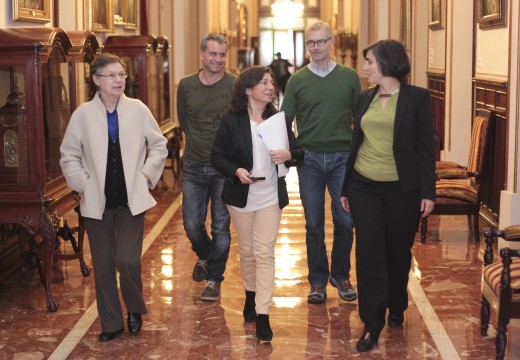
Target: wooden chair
500, 285
458, 190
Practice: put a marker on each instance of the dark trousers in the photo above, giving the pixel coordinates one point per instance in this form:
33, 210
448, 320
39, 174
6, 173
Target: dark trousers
116, 244
385, 221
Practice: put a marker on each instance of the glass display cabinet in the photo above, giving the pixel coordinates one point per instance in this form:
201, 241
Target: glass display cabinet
148, 68
85, 47
37, 97
163, 64
165, 120
145, 57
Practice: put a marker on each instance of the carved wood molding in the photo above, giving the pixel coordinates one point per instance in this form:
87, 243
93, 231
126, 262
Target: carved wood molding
491, 95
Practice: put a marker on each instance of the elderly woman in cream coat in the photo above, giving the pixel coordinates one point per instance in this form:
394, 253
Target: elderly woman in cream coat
113, 153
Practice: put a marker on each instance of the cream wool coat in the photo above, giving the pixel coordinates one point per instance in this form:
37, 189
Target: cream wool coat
85, 147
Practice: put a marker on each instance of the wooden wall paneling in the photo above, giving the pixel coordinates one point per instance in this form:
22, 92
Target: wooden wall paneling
493, 96
437, 89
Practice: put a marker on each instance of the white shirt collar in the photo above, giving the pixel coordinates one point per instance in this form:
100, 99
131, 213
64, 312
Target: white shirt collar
315, 68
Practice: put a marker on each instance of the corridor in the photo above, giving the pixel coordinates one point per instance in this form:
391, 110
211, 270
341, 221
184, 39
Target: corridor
442, 322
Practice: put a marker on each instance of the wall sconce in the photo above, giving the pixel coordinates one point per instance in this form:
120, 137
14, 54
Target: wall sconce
230, 35
224, 32
348, 41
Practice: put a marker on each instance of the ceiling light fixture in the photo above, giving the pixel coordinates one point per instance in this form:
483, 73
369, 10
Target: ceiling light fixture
287, 9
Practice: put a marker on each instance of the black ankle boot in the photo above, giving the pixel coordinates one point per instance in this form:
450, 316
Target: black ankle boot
263, 329
249, 307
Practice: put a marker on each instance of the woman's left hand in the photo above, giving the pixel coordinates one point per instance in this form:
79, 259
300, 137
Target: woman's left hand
344, 203
426, 207
280, 156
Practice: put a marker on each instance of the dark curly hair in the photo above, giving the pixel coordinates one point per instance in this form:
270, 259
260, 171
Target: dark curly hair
391, 58
249, 78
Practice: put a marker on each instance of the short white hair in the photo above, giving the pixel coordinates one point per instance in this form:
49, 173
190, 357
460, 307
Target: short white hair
317, 25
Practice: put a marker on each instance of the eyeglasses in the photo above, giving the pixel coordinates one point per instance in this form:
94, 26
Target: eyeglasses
320, 43
113, 76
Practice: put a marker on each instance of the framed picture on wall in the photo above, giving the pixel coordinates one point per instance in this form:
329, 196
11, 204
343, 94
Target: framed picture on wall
30, 10
491, 13
131, 14
99, 15
435, 14
406, 23
118, 7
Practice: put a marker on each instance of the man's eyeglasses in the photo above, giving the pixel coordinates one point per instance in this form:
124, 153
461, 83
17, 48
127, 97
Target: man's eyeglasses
113, 76
320, 43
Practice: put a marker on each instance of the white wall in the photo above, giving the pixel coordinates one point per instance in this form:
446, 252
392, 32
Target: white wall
437, 50
459, 47
70, 19
394, 27
419, 36
381, 20
489, 44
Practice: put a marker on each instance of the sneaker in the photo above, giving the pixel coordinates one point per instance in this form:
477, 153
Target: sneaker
211, 291
345, 289
317, 295
200, 270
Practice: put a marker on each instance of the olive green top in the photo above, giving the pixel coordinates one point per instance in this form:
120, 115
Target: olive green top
375, 158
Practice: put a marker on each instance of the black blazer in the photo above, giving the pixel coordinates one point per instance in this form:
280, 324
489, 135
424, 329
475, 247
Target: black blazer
413, 139
233, 149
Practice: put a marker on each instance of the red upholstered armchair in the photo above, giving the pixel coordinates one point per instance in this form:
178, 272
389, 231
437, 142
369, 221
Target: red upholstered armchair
500, 285
458, 189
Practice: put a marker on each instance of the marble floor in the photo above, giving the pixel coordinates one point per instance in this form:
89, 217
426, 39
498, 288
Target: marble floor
442, 321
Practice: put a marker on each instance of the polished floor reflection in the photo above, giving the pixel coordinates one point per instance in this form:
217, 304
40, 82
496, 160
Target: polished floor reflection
442, 321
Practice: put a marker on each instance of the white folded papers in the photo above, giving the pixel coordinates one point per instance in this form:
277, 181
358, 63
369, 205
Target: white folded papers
273, 132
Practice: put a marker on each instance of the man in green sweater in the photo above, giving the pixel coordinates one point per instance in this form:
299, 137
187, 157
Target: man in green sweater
321, 97
202, 97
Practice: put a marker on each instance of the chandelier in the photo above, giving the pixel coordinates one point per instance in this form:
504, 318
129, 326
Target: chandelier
287, 9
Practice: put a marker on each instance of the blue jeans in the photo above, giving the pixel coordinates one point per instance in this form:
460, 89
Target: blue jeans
200, 183
320, 171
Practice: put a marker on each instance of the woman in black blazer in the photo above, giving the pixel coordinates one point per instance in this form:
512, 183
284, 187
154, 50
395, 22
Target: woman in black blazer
389, 184
253, 191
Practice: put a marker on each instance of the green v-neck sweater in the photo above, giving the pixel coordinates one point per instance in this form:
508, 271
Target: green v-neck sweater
322, 107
